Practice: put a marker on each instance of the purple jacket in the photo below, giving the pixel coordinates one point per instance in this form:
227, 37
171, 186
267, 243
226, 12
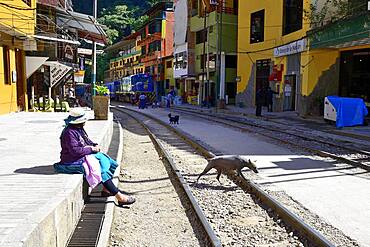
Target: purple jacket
74, 142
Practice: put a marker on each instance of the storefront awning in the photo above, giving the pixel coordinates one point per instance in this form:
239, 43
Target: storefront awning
42, 37
57, 71
33, 64
86, 25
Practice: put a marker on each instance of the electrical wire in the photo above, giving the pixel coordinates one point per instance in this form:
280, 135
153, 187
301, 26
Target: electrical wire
16, 7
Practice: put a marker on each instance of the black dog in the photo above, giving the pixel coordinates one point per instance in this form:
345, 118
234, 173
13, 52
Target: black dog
174, 120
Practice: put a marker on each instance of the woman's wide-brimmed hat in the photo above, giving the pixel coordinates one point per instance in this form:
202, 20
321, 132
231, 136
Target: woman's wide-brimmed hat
76, 116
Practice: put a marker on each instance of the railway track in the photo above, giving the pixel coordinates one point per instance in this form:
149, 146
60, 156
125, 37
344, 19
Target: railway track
335, 149
238, 218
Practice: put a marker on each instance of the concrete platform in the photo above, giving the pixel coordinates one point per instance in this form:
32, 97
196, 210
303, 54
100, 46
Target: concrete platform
337, 194
317, 123
37, 206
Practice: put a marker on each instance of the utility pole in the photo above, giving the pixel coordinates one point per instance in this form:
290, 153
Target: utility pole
204, 36
93, 71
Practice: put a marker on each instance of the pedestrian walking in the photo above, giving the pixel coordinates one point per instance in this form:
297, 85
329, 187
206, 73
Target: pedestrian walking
260, 100
82, 156
142, 101
169, 98
269, 98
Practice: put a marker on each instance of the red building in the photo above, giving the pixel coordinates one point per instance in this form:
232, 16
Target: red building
157, 42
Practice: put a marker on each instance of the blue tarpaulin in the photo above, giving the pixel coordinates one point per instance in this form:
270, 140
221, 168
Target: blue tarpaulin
350, 111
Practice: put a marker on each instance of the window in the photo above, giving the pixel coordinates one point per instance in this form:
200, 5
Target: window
201, 36
257, 26
167, 83
181, 61
169, 64
231, 61
6, 62
155, 46
292, 16
155, 27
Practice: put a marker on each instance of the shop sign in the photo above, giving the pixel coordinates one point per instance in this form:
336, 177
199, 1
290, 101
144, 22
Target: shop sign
277, 72
68, 52
291, 48
57, 72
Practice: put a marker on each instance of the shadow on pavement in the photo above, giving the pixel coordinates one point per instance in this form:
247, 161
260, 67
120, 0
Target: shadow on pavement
42, 170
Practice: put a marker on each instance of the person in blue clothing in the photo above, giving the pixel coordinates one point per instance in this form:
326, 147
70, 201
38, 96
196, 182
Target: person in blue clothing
169, 99
142, 101
77, 149
269, 98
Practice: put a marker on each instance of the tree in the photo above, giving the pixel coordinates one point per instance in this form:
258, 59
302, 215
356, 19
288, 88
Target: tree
323, 12
153, 2
120, 21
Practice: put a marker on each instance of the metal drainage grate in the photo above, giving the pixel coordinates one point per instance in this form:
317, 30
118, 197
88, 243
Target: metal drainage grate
87, 231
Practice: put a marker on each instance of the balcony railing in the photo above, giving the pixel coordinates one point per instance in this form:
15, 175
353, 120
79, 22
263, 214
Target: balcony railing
149, 39
150, 56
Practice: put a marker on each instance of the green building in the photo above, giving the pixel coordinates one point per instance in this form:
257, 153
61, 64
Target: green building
215, 49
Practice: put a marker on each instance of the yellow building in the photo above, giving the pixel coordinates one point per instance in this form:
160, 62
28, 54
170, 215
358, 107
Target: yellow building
278, 46
168, 75
126, 59
17, 24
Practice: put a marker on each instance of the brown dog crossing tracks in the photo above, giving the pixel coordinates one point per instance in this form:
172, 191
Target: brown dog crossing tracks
249, 222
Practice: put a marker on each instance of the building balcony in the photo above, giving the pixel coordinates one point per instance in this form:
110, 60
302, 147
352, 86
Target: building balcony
348, 32
197, 22
150, 38
151, 56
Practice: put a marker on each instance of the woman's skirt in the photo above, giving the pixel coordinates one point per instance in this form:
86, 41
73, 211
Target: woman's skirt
107, 166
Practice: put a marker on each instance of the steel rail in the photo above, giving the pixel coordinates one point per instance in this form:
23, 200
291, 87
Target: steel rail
211, 235
293, 220
312, 150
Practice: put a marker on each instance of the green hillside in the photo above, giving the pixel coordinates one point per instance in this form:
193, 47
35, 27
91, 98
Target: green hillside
81, 6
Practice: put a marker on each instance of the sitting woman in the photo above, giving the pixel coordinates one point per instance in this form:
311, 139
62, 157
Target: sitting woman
80, 155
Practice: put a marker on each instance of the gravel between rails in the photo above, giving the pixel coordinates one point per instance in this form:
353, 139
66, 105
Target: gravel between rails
233, 213
235, 216
158, 218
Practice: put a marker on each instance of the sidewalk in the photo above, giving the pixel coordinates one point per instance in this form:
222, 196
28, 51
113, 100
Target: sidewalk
37, 206
291, 118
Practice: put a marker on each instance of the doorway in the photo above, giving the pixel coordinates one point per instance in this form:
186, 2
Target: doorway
290, 92
263, 71
20, 81
355, 74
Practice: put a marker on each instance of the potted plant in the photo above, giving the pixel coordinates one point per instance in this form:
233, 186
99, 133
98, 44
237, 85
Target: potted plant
101, 103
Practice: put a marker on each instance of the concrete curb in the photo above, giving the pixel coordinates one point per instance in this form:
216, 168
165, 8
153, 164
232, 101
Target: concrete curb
109, 210
53, 223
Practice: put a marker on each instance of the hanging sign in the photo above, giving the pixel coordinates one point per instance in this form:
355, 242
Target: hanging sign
57, 71
291, 48
277, 72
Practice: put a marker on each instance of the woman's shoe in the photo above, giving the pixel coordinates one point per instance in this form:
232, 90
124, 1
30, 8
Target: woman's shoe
130, 200
105, 193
